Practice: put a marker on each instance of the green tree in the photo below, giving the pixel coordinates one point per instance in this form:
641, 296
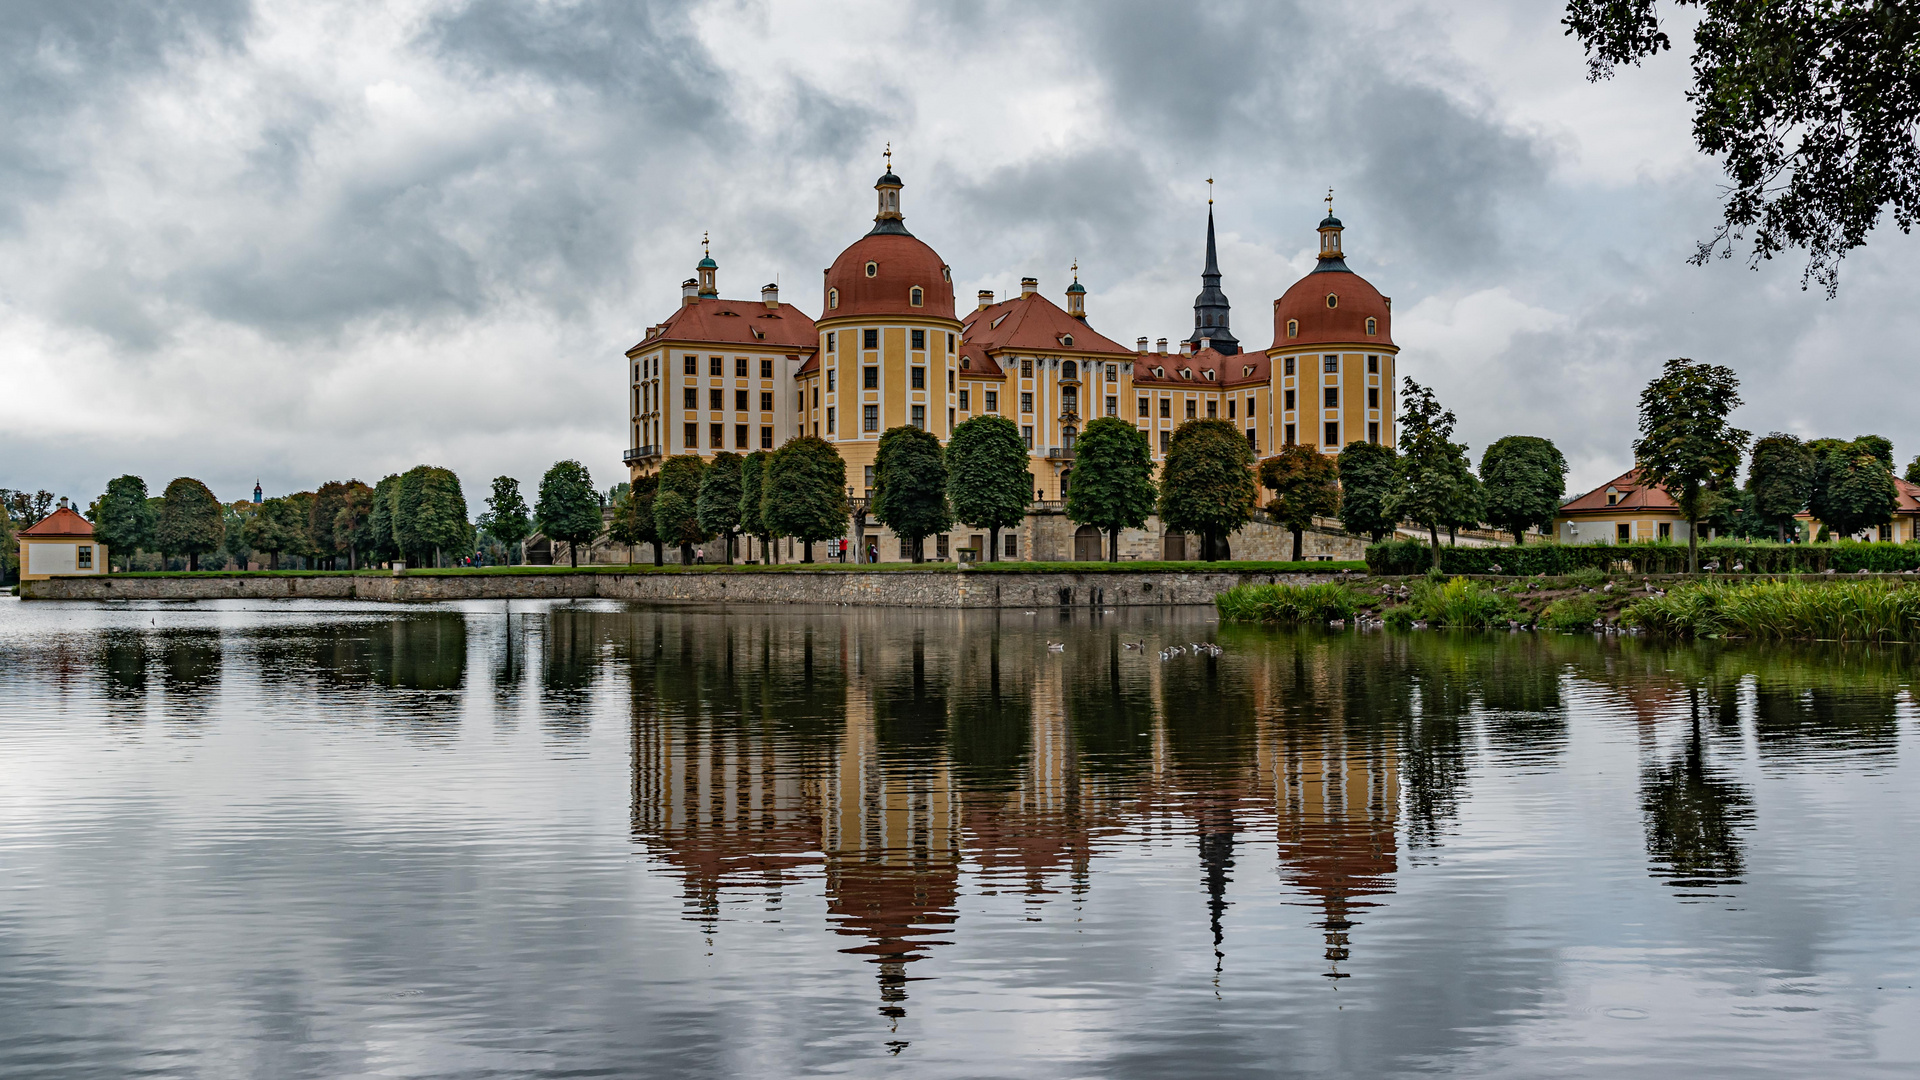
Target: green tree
718, 505
568, 509
633, 517
190, 523
381, 545
910, 486
1780, 480
1525, 478
1853, 485
233, 542
1305, 485
987, 478
1433, 468
122, 518
1686, 446
506, 516
1369, 489
1470, 508
270, 528
676, 505
1811, 107
805, 494
327, 501
1206, 485
430, 514
753, 473
1112, 479
1912, 475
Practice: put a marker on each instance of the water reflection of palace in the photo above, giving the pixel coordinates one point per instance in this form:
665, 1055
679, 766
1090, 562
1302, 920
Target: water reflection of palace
891, 769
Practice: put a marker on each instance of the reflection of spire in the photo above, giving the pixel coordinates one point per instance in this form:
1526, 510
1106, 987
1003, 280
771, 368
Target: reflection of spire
1216, 854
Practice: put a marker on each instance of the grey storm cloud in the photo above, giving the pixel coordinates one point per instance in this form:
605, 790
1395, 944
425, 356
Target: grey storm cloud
340, 238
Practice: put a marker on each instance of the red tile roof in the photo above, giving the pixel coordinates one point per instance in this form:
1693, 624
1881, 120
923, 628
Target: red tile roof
1345, 323
1906, 497
900, 262
1033, 323
1228, 371
734, 322
1633, 496
62, 522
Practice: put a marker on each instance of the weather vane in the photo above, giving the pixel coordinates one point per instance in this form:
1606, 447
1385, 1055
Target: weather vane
1329, 202
1209, 191
889, 155
1076, 269
706, 248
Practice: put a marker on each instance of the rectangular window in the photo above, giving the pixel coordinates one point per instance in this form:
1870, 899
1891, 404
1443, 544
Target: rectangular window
1144, 409
1373, 431
1230, 408
1288, 366
1026, 369
993, 401
739, 436
1026, 435
1886, 531
1166, 408
1624, 531
716, 365
869, 478
1070, 399
716, 399
940, 546
740, 367
816, 398
1113, 373
1330, 363
766, 400
740, 401
691, 365
949, 382
919, 339
920, 417
906, 549
870, 338
949, 344
1165, 438
1013, 546
1373, 365
84, 557
918, 378
1289, 434
1190, 409
1113, 405
692, 397
1253, 440
871, 378
870, 418
829, 419
1373, 397
963, 399
766, 437
719, 436
831, 341
1026, 401
1213, 408
949, 420
830, 381
692, 437
1249, 408
1331, 397
1333, 435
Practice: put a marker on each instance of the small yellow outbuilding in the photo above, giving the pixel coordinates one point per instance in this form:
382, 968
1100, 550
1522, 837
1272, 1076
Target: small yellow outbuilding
61, 543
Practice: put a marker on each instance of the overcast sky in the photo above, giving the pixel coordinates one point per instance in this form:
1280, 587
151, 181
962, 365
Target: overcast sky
313, 241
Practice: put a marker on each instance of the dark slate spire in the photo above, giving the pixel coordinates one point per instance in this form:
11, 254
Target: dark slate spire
1210, 308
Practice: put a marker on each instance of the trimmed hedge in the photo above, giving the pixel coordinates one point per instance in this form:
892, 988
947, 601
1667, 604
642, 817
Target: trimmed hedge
1400, 557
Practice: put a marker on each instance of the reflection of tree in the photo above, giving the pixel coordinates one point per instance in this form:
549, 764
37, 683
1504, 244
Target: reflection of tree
569, 667
189, 669
123, 663
1694, 818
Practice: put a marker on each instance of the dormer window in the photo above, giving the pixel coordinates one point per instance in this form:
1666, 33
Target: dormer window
1067, 340
966, 363
946, 273
1159, 373
915, 297
1373, 326
1332, 300
1209, 375
1186, 373
873, 270
995, 324
833, 298
1613, 496
1293, 327
1246, 370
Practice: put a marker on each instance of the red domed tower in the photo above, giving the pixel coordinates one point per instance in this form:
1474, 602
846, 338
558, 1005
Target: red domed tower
1333, 354
887, 339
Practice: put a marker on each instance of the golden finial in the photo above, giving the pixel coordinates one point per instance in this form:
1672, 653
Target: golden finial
706, 248
1329, 202
889, 155
1209, 191
1076, 270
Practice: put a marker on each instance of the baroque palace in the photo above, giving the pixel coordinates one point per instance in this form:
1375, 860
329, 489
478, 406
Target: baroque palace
890, 349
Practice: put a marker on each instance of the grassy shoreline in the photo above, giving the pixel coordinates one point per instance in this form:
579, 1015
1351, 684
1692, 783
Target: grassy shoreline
1133, 567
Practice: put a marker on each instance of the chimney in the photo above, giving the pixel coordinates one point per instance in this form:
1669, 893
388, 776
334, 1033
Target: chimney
1029, 286
1161, 346
770, 295
1205, 343
690, 291
1141, 345
986, 299
1186, 348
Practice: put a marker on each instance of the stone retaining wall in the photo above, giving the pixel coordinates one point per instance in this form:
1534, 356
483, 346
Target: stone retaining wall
895, 588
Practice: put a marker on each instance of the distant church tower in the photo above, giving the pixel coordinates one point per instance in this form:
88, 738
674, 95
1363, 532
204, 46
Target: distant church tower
1210, 309
256, 492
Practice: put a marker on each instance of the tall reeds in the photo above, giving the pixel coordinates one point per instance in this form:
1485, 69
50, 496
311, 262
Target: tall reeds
1289, 605
1784, 610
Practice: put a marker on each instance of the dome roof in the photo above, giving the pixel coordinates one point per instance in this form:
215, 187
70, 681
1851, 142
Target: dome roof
1345, 322
900, 262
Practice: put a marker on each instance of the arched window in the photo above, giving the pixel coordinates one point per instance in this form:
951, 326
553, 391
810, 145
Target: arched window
1067, 340
833, 298
966, 363
946, 273
1332, 300
1293, 327
1373, 326
1069, 370
916, 296
873, 270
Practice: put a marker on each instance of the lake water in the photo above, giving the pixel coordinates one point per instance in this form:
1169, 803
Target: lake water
331, 840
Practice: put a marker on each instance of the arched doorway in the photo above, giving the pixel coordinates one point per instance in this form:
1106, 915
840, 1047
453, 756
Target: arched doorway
1086, 544
1174, 547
